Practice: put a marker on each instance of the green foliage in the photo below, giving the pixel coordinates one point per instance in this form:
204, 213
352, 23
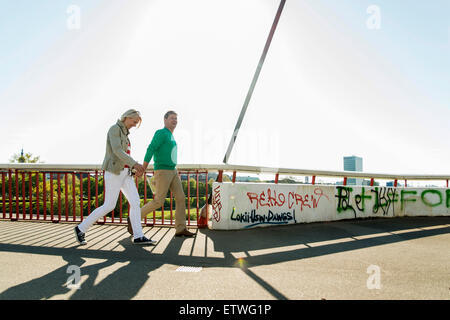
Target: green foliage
24, 158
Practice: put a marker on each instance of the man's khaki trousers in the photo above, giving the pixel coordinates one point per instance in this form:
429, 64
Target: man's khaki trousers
164, 181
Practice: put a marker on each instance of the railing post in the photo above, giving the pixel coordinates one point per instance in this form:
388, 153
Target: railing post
345, 181
37, 196
30, 195
96, 193
313, 180
3, 196
395, 183
81, 196
219, 177
189, 200
120, 205
51, 196
66, 195
276, 178
171, 207
96, 186
74, 213
17, 194
89, 192
10, 193
234, 176
145, 198
371, 182
202, 221
58, 185
154, 211
198, 204
24, 214
44, 194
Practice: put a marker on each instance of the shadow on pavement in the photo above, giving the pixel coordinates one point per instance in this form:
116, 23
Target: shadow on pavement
138, 262
380, 231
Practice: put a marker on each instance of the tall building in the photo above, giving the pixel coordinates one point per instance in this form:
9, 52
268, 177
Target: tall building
353, 163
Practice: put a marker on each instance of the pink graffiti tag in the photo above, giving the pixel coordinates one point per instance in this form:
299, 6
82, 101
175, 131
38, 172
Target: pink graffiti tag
271, 199
216, 204
306, 200
318, 192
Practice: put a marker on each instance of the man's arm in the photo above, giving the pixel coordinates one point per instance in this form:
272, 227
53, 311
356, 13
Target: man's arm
153, 146
157, 140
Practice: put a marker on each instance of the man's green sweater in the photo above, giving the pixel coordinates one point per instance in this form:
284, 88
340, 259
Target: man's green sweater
164, 149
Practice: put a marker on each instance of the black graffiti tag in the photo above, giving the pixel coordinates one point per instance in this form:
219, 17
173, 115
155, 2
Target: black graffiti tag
384, 198
344, 200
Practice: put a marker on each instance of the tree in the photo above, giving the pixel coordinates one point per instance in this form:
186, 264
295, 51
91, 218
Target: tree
24, 158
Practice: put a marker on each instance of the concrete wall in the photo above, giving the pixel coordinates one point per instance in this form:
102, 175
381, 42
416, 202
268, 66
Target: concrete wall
248, 205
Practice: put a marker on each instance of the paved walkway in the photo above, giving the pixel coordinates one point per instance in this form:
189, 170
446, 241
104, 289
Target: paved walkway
397, 258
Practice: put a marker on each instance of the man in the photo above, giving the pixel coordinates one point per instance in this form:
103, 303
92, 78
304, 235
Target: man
163, 148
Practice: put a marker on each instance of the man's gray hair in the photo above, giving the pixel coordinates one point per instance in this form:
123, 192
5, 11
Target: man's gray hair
168, 113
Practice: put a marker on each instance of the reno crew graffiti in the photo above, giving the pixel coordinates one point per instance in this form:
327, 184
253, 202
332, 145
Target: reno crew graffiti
272, 198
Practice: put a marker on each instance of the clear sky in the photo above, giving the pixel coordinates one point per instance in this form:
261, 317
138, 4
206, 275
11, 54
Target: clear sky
366, 78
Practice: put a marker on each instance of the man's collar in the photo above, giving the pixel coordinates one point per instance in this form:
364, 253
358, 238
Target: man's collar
168, 129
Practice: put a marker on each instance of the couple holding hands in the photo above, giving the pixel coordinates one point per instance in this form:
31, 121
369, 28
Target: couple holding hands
119, 168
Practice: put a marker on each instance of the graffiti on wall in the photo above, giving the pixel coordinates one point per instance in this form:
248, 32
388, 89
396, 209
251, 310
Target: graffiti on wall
253, 218
238, 206
272, 198
281, 206
382, 199
429, 197
216, 203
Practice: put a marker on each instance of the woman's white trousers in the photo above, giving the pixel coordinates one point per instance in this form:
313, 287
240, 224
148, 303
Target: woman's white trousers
113, 183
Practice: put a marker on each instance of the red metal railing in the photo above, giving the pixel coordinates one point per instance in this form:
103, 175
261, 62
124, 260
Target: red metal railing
66, 196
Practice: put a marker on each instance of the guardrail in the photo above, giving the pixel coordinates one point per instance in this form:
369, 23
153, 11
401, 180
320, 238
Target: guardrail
67, 193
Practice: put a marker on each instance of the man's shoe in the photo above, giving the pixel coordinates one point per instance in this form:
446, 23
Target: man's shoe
185, 233
80, 236
129, 227
144, 240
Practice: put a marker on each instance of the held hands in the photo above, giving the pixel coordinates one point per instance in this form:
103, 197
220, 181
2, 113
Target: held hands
140, 170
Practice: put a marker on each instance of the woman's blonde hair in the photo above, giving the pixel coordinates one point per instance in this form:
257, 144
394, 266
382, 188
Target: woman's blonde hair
131, 113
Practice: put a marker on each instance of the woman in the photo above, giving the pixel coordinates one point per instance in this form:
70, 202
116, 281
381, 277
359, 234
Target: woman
119, 168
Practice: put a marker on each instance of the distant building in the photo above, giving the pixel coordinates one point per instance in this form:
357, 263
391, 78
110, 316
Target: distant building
353, 163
